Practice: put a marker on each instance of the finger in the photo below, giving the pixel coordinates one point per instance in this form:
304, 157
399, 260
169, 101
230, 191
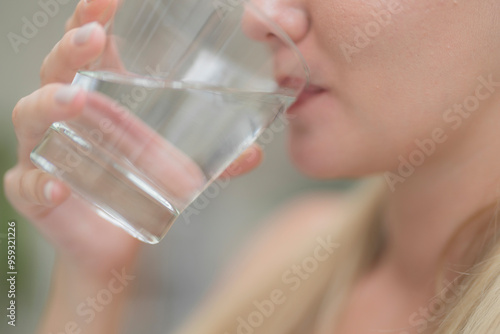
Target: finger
246, 162
33, 114
91, 10
77, 48
128, 136
30, 190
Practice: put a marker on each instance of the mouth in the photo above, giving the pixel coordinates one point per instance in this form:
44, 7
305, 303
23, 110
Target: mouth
308, 94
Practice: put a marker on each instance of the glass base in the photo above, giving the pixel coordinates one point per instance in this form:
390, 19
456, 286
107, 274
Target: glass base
113, 188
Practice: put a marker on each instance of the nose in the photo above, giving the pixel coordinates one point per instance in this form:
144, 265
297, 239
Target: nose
290, 15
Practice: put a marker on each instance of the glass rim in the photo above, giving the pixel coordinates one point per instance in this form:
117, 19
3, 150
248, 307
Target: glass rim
285, 38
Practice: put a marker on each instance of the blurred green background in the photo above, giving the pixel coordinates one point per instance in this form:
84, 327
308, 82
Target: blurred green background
174, 275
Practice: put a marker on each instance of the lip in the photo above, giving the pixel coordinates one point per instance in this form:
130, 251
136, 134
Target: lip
309, 93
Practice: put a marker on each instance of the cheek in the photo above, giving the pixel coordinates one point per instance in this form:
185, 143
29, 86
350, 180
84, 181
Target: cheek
420, 61
396, 88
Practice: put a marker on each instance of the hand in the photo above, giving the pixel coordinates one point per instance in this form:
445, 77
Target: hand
83, 239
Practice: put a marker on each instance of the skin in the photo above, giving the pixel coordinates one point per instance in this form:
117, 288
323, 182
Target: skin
25, 185
370, 110
361, 113
82, 243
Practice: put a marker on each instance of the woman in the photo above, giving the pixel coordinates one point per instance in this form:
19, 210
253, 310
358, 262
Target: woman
403, 89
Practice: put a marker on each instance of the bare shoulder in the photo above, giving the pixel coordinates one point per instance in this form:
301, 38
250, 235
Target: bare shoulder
304, 218
292, 223
310, 212
304, 214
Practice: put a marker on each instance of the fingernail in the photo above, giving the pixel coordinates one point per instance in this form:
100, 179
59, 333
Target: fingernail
66, 94
47, 191
83, 34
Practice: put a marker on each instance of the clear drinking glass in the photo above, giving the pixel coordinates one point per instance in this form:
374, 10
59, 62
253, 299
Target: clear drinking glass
181, 90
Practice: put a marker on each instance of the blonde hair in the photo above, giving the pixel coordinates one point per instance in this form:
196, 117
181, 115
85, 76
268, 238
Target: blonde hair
478, 308
317, 304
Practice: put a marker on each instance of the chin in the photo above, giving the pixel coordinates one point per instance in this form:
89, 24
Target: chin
310, 162
315, 147
325, 162
321, 170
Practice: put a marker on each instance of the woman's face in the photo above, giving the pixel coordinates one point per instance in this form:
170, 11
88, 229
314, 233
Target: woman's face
384, 74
